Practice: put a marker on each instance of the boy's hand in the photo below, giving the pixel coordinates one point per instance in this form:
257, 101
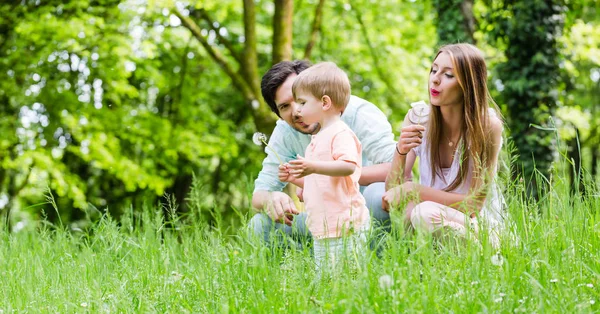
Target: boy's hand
284, 173
300, 167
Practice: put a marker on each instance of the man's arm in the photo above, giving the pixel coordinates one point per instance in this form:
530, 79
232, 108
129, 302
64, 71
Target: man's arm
373, 130
267, 195
277, 205
374, 173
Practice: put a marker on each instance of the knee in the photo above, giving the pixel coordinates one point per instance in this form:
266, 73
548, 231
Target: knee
259, 224
423, 215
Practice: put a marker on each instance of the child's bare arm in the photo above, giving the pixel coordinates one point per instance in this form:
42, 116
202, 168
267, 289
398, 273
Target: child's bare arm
337, 168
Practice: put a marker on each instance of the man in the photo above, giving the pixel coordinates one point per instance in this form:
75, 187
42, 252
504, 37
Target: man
290, 138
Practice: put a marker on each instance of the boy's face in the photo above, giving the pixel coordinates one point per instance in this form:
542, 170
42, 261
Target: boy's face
289, 110
311, 107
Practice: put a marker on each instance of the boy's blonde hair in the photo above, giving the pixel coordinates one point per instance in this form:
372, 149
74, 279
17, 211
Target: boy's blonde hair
325, 79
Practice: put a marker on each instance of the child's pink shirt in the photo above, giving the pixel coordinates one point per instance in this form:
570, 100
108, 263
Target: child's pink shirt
334, 204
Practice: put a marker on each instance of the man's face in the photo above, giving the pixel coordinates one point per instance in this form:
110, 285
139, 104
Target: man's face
289, 110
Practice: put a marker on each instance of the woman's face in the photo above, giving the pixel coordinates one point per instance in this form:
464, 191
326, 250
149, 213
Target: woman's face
444, 89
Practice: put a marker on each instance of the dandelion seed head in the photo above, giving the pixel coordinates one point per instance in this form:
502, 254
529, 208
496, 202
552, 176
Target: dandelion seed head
419, 113
385, 282
592, 302
497, 260
259, 138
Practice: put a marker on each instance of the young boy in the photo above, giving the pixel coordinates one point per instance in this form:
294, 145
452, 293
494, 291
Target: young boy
337, 216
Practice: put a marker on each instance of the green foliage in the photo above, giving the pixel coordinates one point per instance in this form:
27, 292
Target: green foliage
452, 23
529, 77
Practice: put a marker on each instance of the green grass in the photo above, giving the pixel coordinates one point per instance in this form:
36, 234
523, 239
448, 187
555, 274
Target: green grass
550, 263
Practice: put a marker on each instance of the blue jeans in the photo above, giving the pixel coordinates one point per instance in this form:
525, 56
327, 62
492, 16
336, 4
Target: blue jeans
298, 236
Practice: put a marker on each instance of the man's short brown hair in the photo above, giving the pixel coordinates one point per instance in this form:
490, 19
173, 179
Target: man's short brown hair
325, 79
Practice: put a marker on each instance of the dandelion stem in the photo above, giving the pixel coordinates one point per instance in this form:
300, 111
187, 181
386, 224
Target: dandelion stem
276, 155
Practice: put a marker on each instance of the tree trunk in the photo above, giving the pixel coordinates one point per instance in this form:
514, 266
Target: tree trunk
316, 26
282, 30
455, 21
246, 80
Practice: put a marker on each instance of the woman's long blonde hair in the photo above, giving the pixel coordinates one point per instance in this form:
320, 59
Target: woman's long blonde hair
477, 145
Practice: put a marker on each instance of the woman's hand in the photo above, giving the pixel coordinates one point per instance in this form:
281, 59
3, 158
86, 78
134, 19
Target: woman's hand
410, 137
393, 196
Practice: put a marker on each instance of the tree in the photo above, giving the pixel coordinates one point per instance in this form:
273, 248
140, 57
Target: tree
529, 80
455, 21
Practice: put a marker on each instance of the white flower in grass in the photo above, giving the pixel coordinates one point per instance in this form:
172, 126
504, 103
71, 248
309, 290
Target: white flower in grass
474, 283
590, 285
260, 139
385, 282
554, 280
84, 304
592, 302
497, 259
498, 300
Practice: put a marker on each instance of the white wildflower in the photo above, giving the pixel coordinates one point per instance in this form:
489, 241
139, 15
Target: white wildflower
554, 280
474, 283
498, 300
385, 282
497, 259
589, 285
592, 302
84, 304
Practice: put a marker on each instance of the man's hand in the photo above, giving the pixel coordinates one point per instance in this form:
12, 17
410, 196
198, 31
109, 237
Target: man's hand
280, 208
300, 167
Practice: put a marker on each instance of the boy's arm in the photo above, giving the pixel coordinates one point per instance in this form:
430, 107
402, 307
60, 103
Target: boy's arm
336, 168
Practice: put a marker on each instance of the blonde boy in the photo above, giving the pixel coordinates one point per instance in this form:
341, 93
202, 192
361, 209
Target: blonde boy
330, 170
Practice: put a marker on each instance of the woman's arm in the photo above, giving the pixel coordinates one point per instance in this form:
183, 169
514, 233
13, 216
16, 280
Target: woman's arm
474, 200
404, 157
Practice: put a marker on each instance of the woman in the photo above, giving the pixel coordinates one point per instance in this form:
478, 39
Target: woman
458, 147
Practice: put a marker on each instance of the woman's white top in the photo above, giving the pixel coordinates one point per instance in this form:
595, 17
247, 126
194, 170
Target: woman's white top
492, 212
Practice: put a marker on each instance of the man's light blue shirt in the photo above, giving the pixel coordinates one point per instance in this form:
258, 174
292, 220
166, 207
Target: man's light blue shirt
364, 118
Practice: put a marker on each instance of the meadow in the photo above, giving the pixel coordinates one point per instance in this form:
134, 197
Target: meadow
148, 261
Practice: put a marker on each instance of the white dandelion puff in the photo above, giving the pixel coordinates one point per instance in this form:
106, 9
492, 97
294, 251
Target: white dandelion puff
385, 282
592, 302
259, 139
497, 259
419, 114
